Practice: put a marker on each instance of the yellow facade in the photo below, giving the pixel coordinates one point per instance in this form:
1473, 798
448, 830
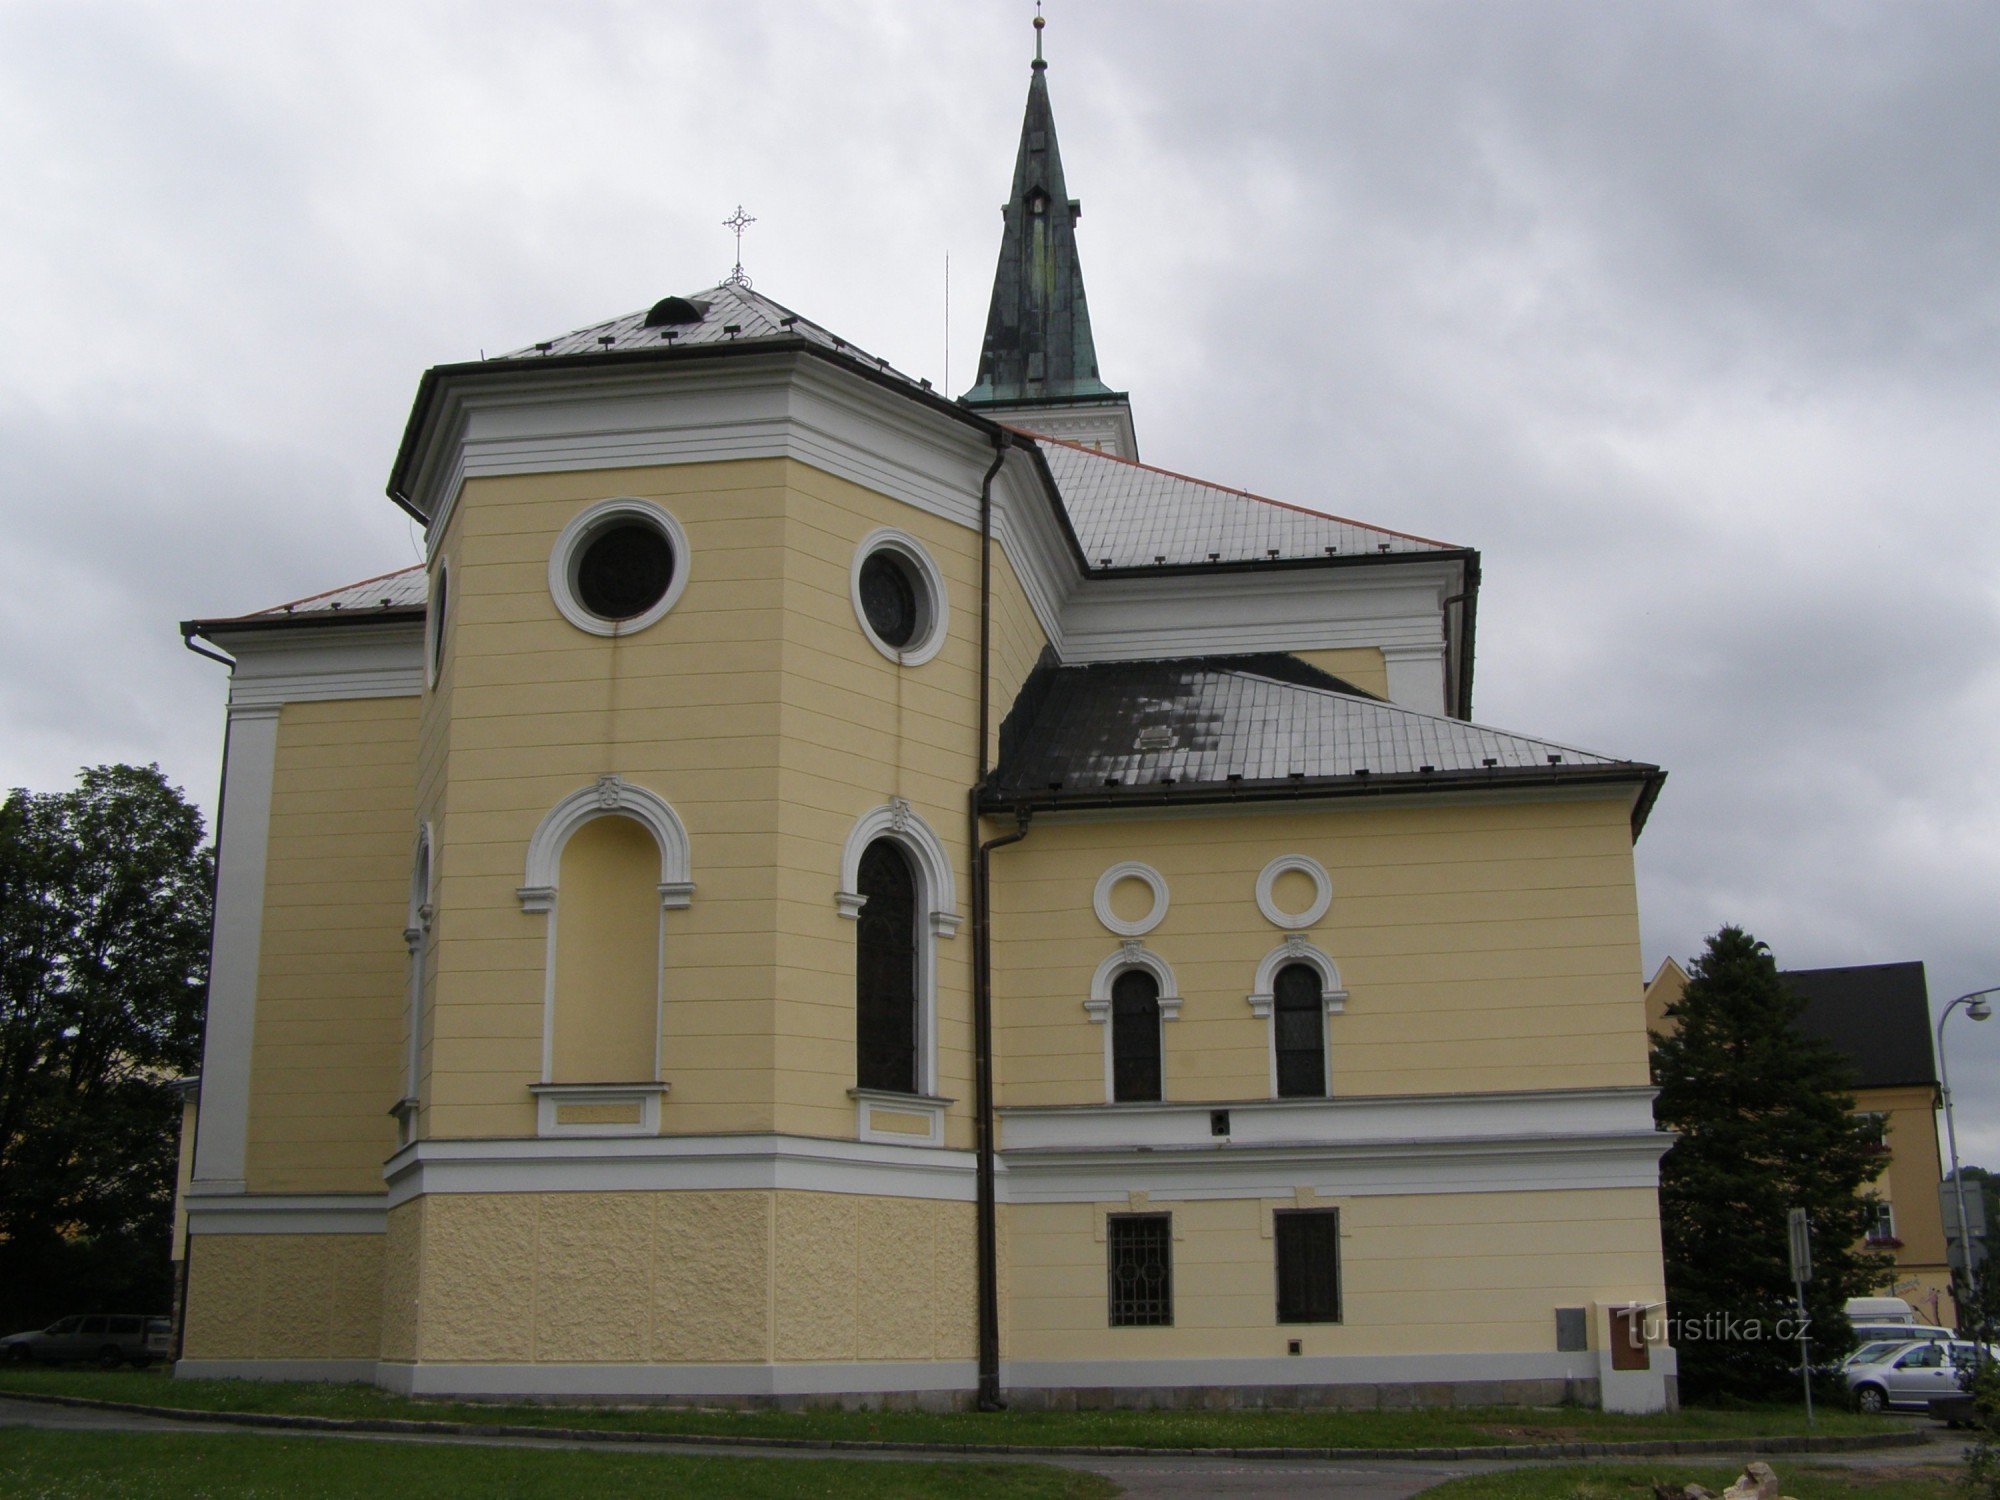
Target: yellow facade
1420, 1274
326, 1063
1467, 936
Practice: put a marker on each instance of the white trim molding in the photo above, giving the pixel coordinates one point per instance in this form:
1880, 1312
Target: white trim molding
608, 795
874, 1109
209, 1212
933, 603
551, 1098
250, 758
1132, 954
1131, 869
1285, 864
861, 1380
1391, 1145
585, 527
896, 819
667, 1163
1296, 950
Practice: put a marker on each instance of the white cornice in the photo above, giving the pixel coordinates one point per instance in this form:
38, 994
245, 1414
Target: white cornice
717, 1163
1381, 1145
287, 1213
305, 664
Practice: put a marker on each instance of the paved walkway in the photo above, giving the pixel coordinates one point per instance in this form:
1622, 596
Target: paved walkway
1169, 1477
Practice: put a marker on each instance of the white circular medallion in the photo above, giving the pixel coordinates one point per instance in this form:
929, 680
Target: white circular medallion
1307, 866
1146, 875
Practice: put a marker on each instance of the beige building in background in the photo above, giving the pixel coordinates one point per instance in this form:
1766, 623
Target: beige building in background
818, 891
1878, 1017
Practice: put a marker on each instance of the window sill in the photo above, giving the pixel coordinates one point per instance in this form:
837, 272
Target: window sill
886, 1117
572, 1109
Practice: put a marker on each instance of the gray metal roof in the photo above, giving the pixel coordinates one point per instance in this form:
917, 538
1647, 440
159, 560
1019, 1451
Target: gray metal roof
1103, 731
406, 589
728, 314
1132, 515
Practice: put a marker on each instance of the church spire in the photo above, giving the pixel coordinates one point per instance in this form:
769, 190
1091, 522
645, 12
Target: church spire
1038, 351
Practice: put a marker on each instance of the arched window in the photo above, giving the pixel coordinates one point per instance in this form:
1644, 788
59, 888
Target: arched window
1298, 1014
1298, 988
886, 1014
1135, 1037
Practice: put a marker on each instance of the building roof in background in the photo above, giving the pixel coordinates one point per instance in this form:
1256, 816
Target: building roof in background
1879, 1015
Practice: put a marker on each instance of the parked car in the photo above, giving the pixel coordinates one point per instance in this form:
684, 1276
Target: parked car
1910, 1374
1869, 1331
109, 1339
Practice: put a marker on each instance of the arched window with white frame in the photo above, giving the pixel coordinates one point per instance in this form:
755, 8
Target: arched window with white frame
1297, 991
896, 886
605, 864
1133, 995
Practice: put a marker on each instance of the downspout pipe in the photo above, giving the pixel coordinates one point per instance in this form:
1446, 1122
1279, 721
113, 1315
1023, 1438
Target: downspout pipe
986, 1217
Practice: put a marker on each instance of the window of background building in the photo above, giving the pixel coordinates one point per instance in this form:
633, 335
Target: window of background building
1308, 1250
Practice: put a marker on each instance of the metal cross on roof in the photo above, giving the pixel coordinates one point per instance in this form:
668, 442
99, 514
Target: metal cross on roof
737, 221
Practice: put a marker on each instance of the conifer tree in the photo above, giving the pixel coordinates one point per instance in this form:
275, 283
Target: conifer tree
1763, 1115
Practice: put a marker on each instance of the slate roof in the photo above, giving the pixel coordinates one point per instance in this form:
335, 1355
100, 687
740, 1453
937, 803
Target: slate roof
1878, 1015
728, 314
1220, 728
1132, 515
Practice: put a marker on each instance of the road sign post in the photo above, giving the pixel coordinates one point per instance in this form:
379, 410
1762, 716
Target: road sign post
1799, 1232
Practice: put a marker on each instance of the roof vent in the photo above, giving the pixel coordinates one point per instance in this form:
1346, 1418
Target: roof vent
674, 310
1156, 737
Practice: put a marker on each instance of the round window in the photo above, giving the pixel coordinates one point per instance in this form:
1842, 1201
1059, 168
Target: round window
618, 567
889, 598
624, 570
899, 597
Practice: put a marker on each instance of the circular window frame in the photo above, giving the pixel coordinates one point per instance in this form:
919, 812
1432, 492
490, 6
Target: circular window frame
933, 603
436, 608
584, 528
1131, 869
1267, 881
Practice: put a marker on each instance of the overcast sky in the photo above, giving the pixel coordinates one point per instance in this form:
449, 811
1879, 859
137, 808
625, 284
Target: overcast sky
1685, 315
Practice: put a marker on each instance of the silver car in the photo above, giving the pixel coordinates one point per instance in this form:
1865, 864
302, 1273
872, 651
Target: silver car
109, 1339
1909, 1374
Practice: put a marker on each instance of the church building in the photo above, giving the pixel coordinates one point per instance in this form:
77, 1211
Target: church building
816, 890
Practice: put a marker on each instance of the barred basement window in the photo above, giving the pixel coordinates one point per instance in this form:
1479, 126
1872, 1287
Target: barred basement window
1140, 1251
1135, 1037
1299, 1011
1308, 1241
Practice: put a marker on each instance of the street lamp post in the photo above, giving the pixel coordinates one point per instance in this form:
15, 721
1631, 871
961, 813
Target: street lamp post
1977, 1008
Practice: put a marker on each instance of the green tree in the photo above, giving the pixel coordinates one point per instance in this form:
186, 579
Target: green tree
104, 916
1764, 1124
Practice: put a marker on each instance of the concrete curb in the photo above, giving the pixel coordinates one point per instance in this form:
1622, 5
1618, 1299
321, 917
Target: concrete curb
1662, 1448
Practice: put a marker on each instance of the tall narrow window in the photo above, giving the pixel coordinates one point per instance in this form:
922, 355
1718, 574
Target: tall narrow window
1300, 1013
1139, 1248
885, 972
1308, 1241
1135, 1037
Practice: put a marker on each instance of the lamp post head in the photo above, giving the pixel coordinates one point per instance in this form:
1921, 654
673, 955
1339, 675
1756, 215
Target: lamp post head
1979, 1010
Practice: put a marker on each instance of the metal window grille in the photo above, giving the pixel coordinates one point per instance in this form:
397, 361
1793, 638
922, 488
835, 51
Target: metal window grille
1140, 1250
885, 972
1135, 1036
1308, 1241
1300, 1017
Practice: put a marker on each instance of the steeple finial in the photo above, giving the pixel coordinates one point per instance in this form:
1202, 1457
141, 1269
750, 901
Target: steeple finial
738, 221
1039, 24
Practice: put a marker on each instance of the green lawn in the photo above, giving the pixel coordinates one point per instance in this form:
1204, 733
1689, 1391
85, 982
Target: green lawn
195, 1466
1146, 1429
1635, 1481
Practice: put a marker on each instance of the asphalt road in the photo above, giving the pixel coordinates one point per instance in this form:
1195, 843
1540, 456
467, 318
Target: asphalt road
1142, 1478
